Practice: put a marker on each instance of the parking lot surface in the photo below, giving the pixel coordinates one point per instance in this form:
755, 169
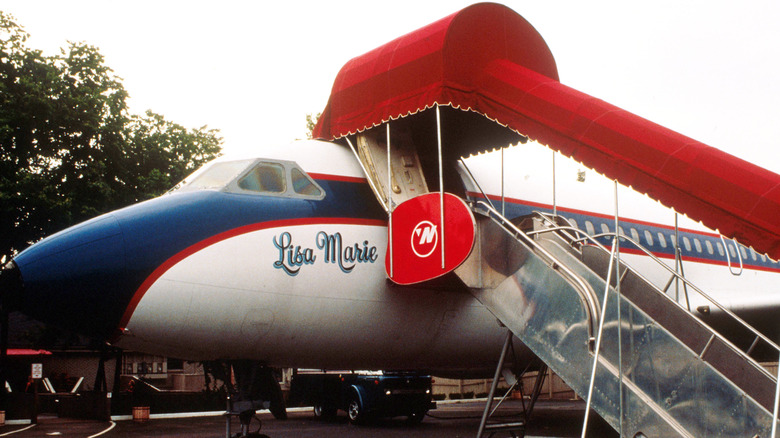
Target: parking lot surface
451, 420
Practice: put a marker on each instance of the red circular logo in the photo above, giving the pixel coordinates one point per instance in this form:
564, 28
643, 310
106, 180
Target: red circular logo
425, 237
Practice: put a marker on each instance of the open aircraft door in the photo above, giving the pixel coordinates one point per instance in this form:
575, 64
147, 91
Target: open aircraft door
429, 233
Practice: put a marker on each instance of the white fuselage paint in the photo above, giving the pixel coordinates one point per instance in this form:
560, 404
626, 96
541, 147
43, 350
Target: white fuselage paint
232, 301
235, 299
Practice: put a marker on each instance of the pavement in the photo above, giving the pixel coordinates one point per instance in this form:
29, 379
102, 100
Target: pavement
451, 420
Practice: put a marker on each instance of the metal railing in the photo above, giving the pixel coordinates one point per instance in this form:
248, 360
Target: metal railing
585, 237
587, 295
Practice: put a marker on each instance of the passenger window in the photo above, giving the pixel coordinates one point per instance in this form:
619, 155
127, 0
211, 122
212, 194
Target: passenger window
720, 249
661, 240
303, 185
744, 253
708, 244
673, 239
687, 244
604, 229
265, 177
753, 255
697, 245
589, 228
732, 252
763, 257
573, 223
634, 235
649, 238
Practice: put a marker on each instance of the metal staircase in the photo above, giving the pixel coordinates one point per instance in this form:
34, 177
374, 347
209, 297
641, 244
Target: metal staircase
660, 370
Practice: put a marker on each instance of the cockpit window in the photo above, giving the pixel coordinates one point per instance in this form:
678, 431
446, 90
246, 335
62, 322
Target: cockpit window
218, 175
254, 177
303, 185
265, 177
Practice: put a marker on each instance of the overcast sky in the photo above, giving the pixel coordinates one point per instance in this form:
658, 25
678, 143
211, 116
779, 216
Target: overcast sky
705, 69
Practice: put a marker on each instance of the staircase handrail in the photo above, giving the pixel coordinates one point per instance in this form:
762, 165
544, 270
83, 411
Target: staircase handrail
592, 239
584, 290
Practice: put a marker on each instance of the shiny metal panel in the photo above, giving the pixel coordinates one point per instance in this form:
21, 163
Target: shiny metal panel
668, 389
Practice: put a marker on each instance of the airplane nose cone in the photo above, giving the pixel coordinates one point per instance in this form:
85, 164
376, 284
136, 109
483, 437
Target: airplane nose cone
73, 279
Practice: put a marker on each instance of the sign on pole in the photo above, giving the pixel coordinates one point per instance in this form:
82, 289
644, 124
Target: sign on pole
37, 371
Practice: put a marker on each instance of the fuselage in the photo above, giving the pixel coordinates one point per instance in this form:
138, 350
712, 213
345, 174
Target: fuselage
281, 260
291, 279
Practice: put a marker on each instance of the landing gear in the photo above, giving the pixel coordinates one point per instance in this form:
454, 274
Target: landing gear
257, 389
516, 427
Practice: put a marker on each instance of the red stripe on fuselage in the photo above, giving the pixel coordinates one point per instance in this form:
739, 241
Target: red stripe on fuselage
329, 177
165, 266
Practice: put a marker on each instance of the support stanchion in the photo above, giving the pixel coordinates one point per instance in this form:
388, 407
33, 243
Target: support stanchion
496, 376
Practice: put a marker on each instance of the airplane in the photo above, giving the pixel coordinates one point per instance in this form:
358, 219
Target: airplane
286, 259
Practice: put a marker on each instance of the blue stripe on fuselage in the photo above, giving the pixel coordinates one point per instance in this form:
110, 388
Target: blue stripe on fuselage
660, 248
83, 278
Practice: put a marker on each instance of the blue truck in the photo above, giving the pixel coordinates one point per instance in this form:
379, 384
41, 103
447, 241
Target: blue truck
363, 395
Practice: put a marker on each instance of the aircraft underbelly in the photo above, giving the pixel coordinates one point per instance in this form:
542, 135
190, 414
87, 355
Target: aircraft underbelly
308, 296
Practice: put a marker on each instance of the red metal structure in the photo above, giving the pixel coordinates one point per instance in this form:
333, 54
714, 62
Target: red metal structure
488, 60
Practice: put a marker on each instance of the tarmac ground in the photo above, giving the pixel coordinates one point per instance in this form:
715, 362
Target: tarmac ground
451, 420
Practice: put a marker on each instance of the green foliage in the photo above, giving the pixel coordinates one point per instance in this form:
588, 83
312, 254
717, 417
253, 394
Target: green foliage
68, 148
311, 122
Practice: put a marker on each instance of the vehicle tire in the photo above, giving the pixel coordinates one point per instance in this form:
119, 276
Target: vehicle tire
355, 410
324, 411
416, 417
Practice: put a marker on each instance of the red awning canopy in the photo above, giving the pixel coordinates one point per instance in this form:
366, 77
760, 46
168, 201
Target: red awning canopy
27, 352
489, 60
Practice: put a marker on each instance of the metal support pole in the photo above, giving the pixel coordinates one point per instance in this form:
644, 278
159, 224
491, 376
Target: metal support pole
677, 259
777, 399
555, 204
389, 202
598, 343
441, 184
620, 319
496, 376
503, 199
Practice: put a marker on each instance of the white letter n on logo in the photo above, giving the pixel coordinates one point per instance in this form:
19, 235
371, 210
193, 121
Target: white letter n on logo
426, 234
424, 239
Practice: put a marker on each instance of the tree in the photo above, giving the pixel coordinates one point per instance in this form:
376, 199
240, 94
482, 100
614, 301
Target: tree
69, 150
311, 122
162, 153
